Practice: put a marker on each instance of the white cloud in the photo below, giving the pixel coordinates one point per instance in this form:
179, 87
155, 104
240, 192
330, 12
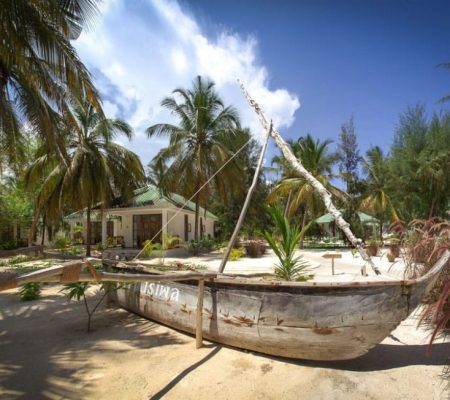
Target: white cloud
145, 50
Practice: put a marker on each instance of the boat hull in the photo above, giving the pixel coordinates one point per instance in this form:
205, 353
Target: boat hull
305, 322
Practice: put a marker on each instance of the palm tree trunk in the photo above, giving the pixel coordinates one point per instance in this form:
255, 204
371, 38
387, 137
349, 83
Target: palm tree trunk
43, 230
288, 204
433, 202
32, 230
197, 209
88, 232
381, 228
4, 74
303, 225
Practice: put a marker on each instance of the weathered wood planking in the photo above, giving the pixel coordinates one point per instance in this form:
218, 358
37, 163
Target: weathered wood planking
317, 323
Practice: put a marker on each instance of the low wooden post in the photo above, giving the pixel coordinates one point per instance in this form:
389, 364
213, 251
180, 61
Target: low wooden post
199, 315
332, 256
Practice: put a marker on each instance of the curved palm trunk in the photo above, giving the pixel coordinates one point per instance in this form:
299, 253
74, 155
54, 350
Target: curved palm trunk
319, 188
302, 227
32, 231
88, 232
4, 74
288, 204
197, 212
43, 230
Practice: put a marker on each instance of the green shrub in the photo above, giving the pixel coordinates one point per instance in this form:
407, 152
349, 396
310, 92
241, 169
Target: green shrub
289, 266
17, 260
99, 247
30, 291
149, 248
8, 245
78, 291
62, 244
202, 245
236, 254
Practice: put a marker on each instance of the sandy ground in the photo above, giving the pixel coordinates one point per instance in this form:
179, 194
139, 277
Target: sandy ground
45, 353
347, 268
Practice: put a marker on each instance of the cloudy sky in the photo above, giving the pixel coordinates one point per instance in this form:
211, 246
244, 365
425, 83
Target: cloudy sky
139, 51
310, 64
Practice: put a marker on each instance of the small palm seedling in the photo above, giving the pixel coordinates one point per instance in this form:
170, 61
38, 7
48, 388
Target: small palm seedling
290, 267
78, 291
30, 291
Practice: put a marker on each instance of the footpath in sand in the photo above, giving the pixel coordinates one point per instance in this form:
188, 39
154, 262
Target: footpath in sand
45, 353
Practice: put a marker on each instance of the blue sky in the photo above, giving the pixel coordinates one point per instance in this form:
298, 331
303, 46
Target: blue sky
335, 59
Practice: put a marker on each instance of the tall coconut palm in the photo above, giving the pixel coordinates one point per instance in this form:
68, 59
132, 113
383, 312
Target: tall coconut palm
376, 198
38, 65
201, 142
94, 168
317, 159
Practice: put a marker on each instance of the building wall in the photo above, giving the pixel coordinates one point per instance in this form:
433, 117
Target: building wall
123, 226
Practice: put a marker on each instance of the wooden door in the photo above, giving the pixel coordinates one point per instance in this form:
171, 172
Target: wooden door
151, 226
186, 228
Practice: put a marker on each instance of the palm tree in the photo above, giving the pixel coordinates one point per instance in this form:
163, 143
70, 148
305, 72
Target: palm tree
376, 198
38, 65
156, 172
318, 161
200, 144
93, 170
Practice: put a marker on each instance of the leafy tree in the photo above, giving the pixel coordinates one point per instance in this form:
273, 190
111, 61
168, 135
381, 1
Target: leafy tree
94, 169
16, 209
200, 144
348, 157
317, 159
38, 65
419, 164
78, 291
376, 198
256, 219
156, 172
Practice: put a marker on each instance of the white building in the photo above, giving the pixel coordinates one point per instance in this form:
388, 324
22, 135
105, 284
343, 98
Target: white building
145, 217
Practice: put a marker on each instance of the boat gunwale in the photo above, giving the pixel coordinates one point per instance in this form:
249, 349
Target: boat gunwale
242, 281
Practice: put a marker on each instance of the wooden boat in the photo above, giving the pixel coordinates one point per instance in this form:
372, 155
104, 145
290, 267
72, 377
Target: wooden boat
306, 320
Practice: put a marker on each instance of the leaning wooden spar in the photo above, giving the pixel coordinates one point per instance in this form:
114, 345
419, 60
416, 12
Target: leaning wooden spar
318, 187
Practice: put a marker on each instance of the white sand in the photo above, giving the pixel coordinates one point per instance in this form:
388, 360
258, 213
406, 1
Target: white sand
347, 268
45, 353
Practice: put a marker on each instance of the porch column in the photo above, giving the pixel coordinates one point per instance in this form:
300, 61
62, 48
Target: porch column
104, 230
164, 227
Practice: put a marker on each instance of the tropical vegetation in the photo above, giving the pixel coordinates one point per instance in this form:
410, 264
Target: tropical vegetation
284, 243
199, 145
92, 170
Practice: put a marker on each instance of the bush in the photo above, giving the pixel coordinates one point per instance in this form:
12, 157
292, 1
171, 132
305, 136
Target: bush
255, 248
201, 246
236, 254
8, 245
30, 291
289, 267
62, 243
15, 260
149, 247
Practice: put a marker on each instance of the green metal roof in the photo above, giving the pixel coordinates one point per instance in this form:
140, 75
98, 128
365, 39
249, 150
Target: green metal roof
151, 195
148, 195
